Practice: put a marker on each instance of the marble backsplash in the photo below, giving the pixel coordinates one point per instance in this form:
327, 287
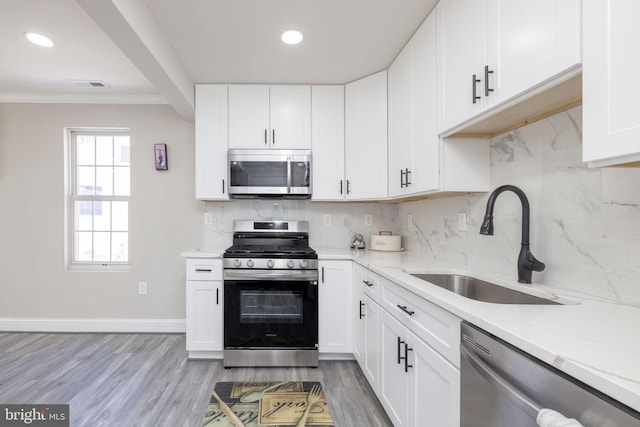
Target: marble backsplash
585, 223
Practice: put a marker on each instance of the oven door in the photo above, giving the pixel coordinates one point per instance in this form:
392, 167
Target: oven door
270, 314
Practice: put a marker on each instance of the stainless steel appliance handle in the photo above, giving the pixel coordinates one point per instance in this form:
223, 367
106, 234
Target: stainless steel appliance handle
283, 275
288, 174
503, 386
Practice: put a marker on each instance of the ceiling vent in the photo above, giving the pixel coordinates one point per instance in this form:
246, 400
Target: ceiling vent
89, 83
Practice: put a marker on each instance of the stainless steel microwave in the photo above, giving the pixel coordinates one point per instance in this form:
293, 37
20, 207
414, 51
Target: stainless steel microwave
269, 173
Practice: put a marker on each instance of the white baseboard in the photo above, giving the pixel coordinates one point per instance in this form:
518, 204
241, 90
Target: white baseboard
16, 324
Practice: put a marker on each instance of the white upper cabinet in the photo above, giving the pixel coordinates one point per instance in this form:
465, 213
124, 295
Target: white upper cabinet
414, 161
327, 142
611, 124
491, 52
366, 138
270, 116
211, 142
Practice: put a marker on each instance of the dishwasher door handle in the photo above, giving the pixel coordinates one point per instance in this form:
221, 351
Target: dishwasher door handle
503, 386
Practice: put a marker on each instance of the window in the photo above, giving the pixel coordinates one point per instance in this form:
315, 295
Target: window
99, 177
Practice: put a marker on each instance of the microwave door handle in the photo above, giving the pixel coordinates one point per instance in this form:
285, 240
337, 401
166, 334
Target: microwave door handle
288, 175
502, 385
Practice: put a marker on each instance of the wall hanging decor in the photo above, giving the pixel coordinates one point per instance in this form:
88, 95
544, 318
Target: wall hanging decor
161, 157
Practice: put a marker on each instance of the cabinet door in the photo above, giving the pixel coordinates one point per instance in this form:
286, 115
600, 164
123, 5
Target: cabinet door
434, 388
400, 121
335, 304
249, 116
529, 43
366, 137
371, 341
327, 142
425, 154
461, 55
211, 142
610, 84
393, 380
290, 116
204, 316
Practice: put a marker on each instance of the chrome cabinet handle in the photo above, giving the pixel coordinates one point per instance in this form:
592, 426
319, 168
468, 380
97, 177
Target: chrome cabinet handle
407, 172
323, 274
474, 82
486, 80
400, 342
265, 137
404, 308
204, 270
361, 313
223, 186
273, 137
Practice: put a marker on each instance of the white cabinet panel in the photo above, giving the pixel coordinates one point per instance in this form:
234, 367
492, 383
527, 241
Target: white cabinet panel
211, 142
204, 316
335, 301
610, 84
327, 142
249, 116
366, 137
276, 116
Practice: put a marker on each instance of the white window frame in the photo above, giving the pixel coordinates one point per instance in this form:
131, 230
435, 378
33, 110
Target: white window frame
72, 197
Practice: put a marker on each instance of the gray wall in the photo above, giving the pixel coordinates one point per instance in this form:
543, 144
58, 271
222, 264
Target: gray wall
164, 215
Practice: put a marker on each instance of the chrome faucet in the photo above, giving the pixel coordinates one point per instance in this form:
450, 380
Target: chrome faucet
527, 263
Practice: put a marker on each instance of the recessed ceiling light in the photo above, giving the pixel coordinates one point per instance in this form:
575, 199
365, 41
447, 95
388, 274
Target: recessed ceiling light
292, 37
39, 39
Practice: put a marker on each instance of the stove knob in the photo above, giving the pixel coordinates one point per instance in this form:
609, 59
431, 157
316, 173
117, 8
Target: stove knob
237, 263
250, 263
290, 263
304, 263
270, 263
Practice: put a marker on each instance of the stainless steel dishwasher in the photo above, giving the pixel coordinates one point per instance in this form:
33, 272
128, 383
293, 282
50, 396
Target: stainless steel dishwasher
504, 386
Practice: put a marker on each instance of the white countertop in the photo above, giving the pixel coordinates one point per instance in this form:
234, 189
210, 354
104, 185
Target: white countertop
590, 339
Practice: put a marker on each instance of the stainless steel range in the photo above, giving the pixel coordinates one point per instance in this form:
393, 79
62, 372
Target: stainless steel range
270, 295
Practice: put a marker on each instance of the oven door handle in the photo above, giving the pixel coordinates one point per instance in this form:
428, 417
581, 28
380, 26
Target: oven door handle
284, 275
502, 385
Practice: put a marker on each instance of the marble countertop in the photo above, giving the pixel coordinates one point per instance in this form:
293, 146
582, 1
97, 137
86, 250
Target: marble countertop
588, 338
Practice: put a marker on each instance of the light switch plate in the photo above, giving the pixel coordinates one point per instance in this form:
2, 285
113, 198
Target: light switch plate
208, 218
368, 220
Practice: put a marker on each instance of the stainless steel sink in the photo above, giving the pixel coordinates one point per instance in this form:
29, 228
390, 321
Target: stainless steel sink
480, 290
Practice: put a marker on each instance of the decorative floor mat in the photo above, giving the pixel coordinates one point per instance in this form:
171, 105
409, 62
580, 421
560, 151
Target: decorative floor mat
276, 404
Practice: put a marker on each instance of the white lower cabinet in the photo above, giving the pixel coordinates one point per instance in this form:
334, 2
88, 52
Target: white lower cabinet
335, 296
408, 350
417, 386
204, 315
365, 337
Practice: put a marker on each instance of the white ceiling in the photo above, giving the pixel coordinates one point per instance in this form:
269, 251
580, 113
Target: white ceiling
152, 51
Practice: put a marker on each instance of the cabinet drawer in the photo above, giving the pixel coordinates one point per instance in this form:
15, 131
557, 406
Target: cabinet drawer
437, 327
204, 269
367, 280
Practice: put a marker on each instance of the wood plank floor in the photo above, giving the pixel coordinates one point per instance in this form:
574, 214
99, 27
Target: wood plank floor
122, 380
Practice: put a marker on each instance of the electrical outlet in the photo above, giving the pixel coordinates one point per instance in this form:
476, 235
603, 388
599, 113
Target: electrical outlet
409, 220
368, 220
142, 288
462, 221
208, 218
327, 219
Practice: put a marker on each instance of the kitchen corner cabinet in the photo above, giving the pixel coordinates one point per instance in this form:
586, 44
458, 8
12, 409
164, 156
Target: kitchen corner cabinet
610, 87
211, 142
277, 116
365, 322
366, 138
204, 316
327, 142
335, 296
414, 161
491, 52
